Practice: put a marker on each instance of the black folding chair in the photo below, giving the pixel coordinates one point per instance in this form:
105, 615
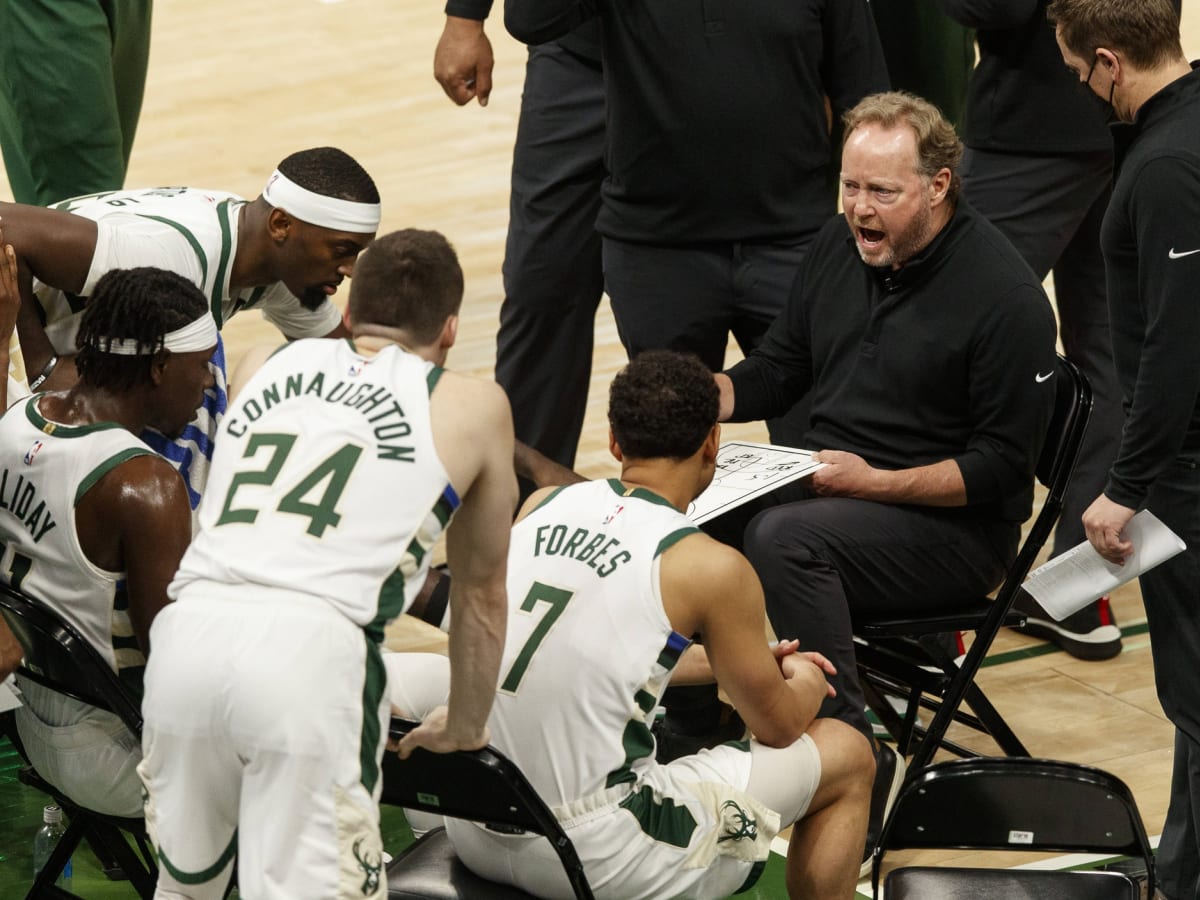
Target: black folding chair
58, 657
905, 655
483, 786
1014, 803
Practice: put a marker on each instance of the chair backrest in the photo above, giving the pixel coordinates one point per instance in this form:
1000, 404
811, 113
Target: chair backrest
60, 658
1016, 803
483, 786
1072, 408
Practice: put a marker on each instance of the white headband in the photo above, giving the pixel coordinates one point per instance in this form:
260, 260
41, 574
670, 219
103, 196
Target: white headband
317, 209
198, 335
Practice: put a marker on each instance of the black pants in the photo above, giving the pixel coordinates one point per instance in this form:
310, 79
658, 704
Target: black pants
552, 272
1171, 592
824, 560
1051, 207
692, 297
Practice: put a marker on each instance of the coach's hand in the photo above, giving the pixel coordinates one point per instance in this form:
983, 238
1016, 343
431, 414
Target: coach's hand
463, 61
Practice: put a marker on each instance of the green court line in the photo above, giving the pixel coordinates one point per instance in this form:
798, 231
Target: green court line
1046, 647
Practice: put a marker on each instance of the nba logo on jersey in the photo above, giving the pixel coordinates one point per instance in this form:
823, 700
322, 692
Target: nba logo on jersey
617, 510
33, 452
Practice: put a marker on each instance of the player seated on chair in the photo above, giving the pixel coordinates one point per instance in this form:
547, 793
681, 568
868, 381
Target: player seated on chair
94, 522
607, 581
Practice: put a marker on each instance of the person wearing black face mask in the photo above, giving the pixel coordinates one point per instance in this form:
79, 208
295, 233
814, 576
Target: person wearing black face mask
1129, 53
1039, 166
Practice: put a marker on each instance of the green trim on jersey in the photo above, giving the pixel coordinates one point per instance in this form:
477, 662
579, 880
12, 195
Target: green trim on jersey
390, 601
72, 203
201, 257
638, 742
640, 493
255, 296
435, 375
373, 684
664, 822
668, 657
389, 605
64, 431
223, 263
204, 875
282, 346
756, 871
107, 466
674, 538
645, 700
550, 496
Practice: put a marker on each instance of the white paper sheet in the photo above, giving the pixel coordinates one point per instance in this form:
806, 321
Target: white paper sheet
746, 470
8, 697
1072, 580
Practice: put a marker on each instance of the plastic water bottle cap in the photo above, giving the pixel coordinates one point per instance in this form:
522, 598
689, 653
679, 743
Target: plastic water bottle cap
51, 815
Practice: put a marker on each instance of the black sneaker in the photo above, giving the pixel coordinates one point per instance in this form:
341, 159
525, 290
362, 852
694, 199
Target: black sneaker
671, 743
889, 775
1091, 633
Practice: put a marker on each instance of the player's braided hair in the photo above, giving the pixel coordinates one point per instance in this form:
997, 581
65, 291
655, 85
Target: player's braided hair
332, 173
140, 304
662, 405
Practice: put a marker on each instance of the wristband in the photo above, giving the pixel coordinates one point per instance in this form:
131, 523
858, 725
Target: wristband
46, 373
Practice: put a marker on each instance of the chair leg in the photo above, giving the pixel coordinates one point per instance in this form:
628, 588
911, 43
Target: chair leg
142, 874
43, 884
994, 722
899, 728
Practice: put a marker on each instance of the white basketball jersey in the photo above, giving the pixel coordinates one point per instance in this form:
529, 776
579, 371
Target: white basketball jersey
45, 469
325, 481
189, 231
589, 647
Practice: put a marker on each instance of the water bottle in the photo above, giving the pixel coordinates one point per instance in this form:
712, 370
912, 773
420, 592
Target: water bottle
45, 841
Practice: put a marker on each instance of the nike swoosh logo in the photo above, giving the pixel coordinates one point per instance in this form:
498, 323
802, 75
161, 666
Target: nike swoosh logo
1171, 254
1039, 378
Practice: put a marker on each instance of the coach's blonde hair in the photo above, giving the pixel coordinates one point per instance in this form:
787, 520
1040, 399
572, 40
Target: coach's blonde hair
938, 146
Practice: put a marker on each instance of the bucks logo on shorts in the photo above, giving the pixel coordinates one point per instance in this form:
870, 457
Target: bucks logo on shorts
371, 864
738, 823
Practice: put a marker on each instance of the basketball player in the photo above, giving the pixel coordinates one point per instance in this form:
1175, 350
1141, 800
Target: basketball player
607, 581
93, 522
284, 253
337, 467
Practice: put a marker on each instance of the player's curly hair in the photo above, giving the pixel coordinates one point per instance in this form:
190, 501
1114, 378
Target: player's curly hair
330, 172
408, 279
141, 304
662, 405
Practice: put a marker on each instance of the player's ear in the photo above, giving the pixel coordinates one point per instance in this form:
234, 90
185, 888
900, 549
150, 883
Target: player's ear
158, 366
278, 225
614, 448
712, 444
449, 333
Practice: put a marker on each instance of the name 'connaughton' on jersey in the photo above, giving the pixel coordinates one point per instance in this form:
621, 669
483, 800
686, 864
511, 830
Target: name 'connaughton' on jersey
378, 404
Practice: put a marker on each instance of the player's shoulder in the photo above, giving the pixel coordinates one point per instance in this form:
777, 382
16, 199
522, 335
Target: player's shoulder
703, 562
470, 392
136, 482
